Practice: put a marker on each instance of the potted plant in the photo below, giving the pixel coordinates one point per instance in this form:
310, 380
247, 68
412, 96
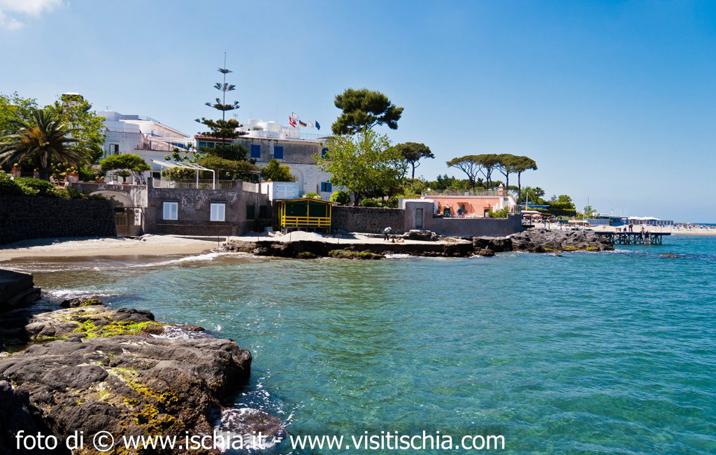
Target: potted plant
72, 175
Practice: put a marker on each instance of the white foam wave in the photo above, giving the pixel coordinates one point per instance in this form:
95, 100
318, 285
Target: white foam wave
243, 423
177, 332
64, 294
206, 257
398, 256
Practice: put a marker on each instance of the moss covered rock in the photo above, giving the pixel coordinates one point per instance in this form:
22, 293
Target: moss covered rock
93, 369
350, 254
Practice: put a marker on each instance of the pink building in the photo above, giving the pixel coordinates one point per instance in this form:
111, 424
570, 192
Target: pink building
470, 205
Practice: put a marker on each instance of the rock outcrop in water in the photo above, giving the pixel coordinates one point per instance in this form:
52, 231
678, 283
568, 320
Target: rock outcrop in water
92, 368
532, 240
308, 249
545, 241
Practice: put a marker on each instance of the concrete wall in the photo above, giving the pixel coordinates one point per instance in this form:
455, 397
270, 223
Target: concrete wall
474, 227
367, 219
124, 195
458, 227
194, 211
309, 178
281, 190
24, 218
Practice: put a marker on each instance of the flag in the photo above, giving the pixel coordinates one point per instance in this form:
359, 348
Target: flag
302, 123
292, 120
318, 125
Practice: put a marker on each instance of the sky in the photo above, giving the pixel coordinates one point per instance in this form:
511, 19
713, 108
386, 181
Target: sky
615, 100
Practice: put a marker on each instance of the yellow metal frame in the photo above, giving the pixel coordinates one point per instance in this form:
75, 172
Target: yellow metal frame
307, 221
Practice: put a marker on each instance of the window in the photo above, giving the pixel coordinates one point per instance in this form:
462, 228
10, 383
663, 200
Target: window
255, 150
324, 152
218, 211
170, 210
326, 187
113, 149
278, 152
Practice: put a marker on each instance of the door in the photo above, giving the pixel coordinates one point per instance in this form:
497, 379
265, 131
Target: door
419, 218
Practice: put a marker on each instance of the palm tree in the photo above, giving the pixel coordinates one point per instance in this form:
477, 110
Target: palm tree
41, 140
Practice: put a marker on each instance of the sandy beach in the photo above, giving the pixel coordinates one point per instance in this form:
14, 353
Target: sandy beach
148, 245
673, 230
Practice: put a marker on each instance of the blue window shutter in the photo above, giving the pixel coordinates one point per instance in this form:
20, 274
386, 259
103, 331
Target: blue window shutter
324, 152
278, 152
326, 187
255, 150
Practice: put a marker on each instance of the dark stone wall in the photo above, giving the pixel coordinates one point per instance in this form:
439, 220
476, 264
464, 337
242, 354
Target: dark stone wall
458, 227
24, 218
367, 219
476, 227
194, 211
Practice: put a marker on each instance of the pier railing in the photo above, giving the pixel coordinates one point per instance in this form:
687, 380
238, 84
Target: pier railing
635, 238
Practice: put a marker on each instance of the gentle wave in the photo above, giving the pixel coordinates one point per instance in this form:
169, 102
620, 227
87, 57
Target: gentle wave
206, 257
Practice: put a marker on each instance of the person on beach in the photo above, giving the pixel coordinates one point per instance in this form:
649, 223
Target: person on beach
386, 233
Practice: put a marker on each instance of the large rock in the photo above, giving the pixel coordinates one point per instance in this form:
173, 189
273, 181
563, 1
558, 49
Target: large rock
496, 244
545, 240
92, 368
305, 249
16, 290
421, 234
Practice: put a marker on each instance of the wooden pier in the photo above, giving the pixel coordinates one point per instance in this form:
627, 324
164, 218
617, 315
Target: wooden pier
635, 238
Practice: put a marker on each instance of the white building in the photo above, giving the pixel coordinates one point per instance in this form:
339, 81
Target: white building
266, 141
143, 136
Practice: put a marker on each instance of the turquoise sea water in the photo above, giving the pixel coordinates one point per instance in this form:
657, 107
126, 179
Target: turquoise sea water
580, 353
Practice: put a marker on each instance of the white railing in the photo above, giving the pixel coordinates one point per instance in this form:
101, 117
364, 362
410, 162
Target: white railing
193, 184
461, 193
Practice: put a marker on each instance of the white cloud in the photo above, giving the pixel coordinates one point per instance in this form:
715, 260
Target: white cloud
9, 22
11, 9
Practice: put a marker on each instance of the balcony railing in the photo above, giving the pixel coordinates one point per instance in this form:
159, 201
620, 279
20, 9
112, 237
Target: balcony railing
460, 193
202, 184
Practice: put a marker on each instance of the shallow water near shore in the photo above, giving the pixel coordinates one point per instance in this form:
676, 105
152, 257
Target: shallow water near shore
579, 353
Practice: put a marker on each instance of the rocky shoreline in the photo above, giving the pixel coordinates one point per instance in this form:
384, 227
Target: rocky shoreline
532, 240
92, 368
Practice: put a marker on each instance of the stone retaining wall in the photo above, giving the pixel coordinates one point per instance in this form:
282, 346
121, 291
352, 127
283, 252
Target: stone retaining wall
367, 219
24, 218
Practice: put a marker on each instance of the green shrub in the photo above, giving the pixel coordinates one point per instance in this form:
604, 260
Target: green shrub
502, 213
128, 161
8, 186
312, 196
372, 202
88, 173
63, 193
74, 193
340, 197
230, 169
277, 172
180, 174
36, 187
